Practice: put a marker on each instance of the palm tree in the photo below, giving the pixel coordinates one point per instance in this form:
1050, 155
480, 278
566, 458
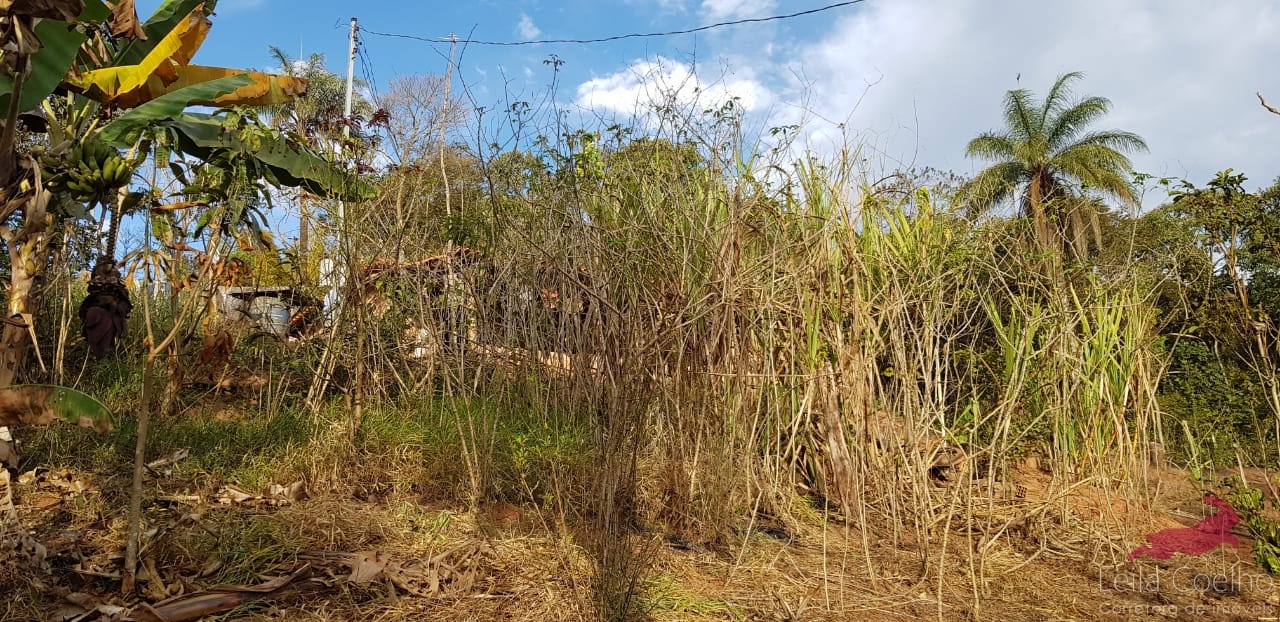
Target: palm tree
1045, 153
317, 116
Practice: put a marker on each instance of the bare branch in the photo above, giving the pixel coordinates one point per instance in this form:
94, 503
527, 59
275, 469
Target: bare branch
1269, 107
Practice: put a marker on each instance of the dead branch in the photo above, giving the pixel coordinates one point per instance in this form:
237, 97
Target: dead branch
1269, 107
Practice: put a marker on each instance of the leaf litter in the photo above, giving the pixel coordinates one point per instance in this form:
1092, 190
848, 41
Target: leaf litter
172, 595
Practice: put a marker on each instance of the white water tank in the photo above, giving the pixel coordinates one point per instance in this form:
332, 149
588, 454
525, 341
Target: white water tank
271, 314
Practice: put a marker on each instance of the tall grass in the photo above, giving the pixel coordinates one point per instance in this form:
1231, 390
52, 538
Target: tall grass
737, 343
733, 343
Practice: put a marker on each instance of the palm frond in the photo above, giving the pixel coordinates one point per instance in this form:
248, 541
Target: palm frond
1098, 168
1044, 149
991, 186
1055, 102
1019, 114
992, 146
282, 59
1070, 121
1091, 157
1114, 184
1113, 139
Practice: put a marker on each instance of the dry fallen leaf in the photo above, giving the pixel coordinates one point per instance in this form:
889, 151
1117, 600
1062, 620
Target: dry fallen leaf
82, 599
66, 480
215, 600
213, 565
232, 495
291, 493
177, 456
367, 566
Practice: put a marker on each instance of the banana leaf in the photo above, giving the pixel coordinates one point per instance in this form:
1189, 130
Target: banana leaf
285, 164
65, 10
264, 89
59, 44
124, 130
124, 21
166, 69
42, 404
125, 86
94, 11
165, 18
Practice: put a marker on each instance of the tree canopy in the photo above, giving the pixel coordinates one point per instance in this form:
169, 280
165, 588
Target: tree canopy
1046, 154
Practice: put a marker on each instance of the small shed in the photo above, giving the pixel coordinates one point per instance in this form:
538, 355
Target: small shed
279, 310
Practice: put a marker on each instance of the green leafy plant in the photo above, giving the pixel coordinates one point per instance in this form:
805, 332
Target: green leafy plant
1250, 504
37, 404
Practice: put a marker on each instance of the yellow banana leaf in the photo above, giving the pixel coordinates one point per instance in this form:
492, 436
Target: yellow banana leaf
119, 86
265, 90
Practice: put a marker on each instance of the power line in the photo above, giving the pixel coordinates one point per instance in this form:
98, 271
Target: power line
617, 37
366, 68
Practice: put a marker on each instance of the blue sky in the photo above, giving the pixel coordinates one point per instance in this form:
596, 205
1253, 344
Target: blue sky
908, 81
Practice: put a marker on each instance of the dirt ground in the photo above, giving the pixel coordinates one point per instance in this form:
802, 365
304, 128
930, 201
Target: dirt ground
1042, 553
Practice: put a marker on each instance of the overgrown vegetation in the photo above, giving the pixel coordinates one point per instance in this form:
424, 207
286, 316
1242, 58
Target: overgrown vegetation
627, 339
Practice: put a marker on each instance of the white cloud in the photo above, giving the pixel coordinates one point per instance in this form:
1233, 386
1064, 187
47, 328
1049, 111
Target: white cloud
736, 9
526, 27
662, 83
912, 81
1181, 73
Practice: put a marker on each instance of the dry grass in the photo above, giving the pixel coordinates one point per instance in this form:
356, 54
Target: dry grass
670, 391
1044, 562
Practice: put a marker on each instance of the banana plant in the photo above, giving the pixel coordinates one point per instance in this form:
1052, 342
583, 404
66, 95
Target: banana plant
122, 83
118, 78
38, 49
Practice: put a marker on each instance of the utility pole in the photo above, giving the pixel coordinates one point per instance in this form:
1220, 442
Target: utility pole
333, 276
444, 119
357, 403
330, 275
351, 80
351, 75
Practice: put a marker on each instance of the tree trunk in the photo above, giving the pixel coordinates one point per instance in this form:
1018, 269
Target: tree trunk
1035, 199
28, 253
304, 248
116, 209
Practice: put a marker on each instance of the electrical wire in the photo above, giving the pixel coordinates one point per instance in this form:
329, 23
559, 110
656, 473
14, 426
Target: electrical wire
366, 68
616, 37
